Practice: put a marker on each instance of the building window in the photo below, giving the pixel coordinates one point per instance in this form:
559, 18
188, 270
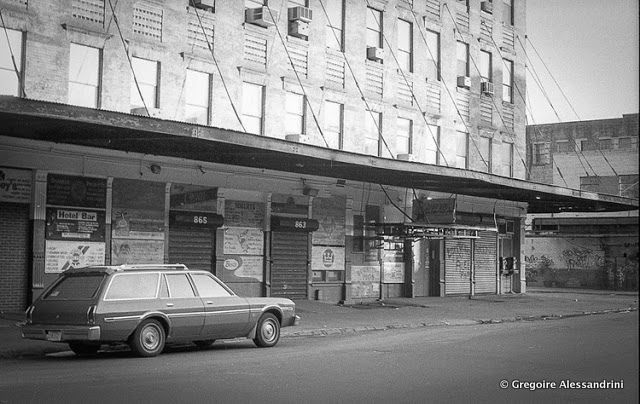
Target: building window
625, 143
563, 146
433, 55
333, 121
507, 81
507, 160
462, 149
486, 66
405, 45
198, 96
404, 136
588, 145
485, 153
84, 76
147, 75
10, 79
335, 24
252, 107
373, 129
605, 144
294, 120
539, 153
432, 144
374, 28
463, 59
507, 12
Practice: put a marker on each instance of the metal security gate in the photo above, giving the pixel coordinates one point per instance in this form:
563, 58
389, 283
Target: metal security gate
14, 256
457, 264
289, 264
485, 256
193, 247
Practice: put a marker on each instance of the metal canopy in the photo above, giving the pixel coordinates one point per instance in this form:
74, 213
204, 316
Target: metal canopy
61, 123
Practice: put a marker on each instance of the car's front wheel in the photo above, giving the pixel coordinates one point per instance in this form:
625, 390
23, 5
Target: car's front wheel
84, 349
268, 331
148, 339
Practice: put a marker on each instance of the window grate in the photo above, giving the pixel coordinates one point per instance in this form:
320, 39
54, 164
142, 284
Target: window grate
88, 10
147, 21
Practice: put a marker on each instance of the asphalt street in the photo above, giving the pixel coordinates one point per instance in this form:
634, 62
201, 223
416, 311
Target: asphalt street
441, 364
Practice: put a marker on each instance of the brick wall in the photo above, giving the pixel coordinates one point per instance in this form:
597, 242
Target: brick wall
14, 250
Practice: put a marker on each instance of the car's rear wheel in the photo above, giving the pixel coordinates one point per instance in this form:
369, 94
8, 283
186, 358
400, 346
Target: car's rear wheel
148, 339
268, 331
206, 343
83, 348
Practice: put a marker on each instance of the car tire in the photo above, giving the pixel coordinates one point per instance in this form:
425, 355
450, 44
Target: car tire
267, 331
84, 349
148, 339
205, 343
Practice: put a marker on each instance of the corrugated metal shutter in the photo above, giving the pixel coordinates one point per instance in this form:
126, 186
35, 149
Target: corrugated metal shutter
14, 256
193, 247
485, 255
289, 255
457, 265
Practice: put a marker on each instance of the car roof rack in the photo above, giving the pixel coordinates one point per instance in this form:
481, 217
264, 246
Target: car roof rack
155, 267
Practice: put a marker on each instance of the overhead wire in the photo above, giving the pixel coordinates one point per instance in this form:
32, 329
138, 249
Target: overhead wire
13, 58
566, 98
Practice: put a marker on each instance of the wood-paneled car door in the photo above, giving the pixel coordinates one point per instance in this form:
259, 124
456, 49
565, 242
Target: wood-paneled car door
182, 306
226, 315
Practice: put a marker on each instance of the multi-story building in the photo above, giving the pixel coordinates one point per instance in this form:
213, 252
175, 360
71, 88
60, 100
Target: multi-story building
598, 250
326, 149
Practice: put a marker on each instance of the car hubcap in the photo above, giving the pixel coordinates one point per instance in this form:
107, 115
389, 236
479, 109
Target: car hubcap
268, 330
150, 338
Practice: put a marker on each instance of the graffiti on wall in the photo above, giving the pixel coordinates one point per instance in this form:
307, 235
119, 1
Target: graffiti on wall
582, 258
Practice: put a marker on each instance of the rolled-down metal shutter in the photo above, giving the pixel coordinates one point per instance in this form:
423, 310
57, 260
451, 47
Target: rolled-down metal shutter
14, 256
457, 264
485, 253
289, 255
193, 247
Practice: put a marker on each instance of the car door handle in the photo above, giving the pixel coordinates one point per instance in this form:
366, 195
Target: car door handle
169, 304
209, 302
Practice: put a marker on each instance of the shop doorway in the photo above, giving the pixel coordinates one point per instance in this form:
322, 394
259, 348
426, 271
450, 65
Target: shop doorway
194, 247
289, 264
435, 248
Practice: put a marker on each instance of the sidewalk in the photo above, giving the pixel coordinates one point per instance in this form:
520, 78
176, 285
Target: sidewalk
321, 319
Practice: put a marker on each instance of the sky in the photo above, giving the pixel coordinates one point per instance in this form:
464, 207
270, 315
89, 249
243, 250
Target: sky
591, 49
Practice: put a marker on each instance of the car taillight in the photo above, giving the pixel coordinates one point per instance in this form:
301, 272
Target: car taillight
91, 315
29, 314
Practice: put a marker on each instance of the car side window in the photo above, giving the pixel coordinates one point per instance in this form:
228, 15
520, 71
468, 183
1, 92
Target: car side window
133, 286
179, 285
209, 287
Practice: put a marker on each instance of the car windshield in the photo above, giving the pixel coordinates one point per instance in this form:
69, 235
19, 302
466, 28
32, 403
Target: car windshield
77, 287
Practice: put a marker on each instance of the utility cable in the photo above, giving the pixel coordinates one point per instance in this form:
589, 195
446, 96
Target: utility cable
457, 29
126, 50
566, 98
295, 71
13, 59
215, 61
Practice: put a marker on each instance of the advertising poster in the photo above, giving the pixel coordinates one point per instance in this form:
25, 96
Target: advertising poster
69, 223
243, 241
240, 213
63, 255
243, 268
393, 272
330, 213
365, 281
15, 185
132, 251
327, 258
69, 190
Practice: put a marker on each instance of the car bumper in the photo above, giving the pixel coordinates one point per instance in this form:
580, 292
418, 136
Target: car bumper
60, 333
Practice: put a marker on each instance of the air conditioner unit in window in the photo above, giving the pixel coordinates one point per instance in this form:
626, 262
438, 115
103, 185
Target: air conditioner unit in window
375, 54
486, 6
204, 4
486, 88
299, 29
260, 16
303, 14
407, 157
142, 111
464, 81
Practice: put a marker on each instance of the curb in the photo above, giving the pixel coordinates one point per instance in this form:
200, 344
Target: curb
324, 332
